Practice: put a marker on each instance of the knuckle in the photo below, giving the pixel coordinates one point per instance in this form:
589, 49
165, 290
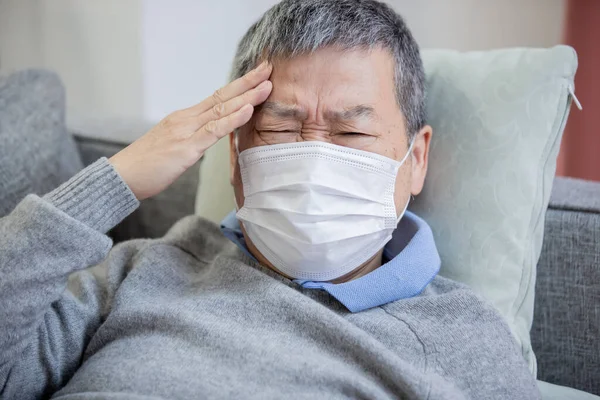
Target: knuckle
218, 110
211, 127
218, 96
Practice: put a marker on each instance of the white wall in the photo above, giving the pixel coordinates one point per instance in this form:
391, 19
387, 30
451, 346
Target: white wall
188, 47
95, 46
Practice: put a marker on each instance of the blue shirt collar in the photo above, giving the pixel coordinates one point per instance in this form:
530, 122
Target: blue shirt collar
413, 263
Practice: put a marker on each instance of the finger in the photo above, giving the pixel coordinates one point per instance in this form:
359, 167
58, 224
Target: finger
214, 130
253, 97
235, 88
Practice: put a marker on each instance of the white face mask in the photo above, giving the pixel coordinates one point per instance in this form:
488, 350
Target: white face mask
317, 211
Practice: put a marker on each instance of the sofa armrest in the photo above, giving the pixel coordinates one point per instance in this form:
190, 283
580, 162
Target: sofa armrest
156, 215
566, 327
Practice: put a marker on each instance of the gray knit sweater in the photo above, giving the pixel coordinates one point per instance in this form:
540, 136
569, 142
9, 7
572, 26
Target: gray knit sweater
191, 316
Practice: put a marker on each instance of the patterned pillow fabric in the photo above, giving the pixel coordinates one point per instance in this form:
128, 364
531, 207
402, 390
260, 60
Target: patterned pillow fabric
497, 118
36, 152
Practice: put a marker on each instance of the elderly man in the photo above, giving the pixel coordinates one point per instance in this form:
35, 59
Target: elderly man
331, 289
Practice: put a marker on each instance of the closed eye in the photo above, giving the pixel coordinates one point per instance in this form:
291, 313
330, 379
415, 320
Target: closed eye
354, 134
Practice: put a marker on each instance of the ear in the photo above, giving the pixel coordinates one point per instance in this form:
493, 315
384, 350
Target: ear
420, 158
233, 158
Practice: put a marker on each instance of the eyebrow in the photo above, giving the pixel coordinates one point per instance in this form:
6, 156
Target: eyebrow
282, 110
359, 111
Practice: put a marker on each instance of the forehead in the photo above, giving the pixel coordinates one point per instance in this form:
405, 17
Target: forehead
331, 78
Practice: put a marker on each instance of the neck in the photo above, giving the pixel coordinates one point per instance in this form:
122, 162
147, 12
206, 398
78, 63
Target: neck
371, 265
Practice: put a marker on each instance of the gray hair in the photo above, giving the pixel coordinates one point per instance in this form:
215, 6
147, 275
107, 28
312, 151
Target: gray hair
295, 27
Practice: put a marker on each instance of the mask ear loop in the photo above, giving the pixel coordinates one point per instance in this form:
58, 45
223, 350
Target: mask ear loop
408, 152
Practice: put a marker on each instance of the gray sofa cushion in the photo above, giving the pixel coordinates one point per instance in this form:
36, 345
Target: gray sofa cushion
566, 329
36, 152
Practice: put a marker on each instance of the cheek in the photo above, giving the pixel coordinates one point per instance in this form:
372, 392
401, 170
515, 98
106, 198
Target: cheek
392, 143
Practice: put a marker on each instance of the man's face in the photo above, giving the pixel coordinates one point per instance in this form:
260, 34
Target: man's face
346, 98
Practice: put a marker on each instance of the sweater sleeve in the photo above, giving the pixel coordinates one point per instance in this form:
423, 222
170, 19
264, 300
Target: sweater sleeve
44, 326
